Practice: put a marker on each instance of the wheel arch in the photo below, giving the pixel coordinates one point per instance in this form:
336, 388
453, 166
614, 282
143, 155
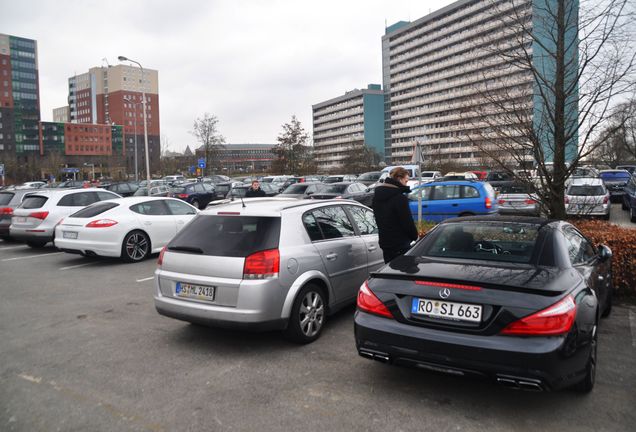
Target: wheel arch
313, 276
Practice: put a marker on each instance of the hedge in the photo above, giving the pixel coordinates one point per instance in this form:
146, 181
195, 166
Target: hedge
621, 240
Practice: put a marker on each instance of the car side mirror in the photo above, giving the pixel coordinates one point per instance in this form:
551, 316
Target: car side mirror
310, 193
605, 253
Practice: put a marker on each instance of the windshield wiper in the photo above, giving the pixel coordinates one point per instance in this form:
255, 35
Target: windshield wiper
186, 249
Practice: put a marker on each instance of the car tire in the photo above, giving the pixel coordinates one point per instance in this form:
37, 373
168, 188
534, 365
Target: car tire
606, 217
624, 205
587, 383
632, 214
36, 244
195, 203
308, 315
610, 299
135, 247
466, 214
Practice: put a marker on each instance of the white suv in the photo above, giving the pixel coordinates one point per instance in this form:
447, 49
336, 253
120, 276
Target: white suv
35, 219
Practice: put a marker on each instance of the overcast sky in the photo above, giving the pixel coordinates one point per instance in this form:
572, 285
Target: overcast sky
251, 63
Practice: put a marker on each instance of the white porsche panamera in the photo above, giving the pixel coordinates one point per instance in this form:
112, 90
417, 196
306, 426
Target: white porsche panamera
130, 228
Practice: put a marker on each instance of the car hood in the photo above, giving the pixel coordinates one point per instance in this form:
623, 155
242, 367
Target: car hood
508, 276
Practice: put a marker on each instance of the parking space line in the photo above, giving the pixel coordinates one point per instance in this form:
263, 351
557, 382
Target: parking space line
12, 247
32, 256
145, 279
77, 266
632, 326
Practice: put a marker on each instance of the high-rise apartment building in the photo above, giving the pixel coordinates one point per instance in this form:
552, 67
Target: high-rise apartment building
347, 123
112, 95
62, 114
19, 97
437, 68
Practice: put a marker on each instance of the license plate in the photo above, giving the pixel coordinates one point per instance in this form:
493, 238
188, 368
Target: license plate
444, 309
20, 219
69, 234
195, 291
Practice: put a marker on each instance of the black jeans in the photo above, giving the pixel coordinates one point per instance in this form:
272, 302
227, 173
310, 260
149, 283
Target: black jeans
389, 254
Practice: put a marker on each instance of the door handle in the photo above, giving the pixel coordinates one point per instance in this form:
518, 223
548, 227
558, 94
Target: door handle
147, 223
425, 206
455, 205
372, 248
332, 256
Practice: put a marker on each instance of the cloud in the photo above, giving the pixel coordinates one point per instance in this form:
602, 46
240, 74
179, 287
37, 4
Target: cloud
251, 63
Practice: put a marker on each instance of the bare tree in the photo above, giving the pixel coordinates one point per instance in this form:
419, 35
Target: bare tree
617, 142
361, 159
205, 130
291, 148
560, 70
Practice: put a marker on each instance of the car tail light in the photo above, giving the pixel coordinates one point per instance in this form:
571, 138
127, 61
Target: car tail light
368, 302
488, 203
39, 215
262, 265
6, 211
182, 195
567, 200
501, 201
160, 260
530, 201
101, 223
555, 320
605, 199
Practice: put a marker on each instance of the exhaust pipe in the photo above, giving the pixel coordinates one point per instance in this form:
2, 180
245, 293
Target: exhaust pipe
374, 355
520, 383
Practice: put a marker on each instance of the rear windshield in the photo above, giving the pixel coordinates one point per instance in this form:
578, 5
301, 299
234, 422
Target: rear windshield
33, 201
5, 197
506, 242
178, 190
615, 175
586, 190
94, 210
370, 176
427, 174
514, 189
296, 189
223, 189
333, 180
234, 236
334, 189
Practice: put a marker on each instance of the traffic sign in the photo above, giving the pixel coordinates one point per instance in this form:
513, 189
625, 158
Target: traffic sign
70, 170
191, 169
201, 163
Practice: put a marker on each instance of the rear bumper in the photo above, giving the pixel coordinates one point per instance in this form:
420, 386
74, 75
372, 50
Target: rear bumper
89, 247
31, 234
537, 363
215, 316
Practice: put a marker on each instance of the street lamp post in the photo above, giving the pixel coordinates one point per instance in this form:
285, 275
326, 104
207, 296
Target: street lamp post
136, 165
143, 95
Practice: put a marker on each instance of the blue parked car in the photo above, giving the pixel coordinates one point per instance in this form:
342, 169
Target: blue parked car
629, 198
448, 199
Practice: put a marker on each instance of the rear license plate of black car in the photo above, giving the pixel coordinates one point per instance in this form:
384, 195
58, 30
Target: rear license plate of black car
444, 309
199, 292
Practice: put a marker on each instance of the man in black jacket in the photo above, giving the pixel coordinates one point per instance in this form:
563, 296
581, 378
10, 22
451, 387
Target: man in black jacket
393, 216
255, 191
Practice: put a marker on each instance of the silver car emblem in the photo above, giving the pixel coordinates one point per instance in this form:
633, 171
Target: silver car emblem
444, 293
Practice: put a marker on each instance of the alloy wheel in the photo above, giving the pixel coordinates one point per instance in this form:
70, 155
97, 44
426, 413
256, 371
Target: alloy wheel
136, 246
311, 314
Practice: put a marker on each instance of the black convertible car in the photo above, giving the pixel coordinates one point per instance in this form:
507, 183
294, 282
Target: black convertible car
516, 300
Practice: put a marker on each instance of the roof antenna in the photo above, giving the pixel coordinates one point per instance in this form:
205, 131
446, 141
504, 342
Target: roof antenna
242, 202
106, 60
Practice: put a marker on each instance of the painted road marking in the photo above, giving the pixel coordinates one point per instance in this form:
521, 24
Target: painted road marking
13, 247
145, 279
77, 266
632, 326
32, 256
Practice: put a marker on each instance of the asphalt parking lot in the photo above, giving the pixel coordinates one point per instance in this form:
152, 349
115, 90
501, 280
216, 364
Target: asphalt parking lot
82, 349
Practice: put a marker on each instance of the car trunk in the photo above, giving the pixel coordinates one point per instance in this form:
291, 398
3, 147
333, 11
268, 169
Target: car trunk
481, 298
211, 252
30, 213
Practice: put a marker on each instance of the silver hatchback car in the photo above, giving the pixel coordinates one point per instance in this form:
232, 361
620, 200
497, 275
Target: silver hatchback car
268, 263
